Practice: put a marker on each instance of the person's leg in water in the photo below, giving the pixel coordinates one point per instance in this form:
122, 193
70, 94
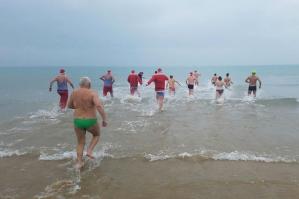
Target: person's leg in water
95, 131
80, 146
63, 99
132, 90
160, 100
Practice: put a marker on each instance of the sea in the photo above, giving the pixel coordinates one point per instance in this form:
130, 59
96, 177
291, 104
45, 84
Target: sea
198, 147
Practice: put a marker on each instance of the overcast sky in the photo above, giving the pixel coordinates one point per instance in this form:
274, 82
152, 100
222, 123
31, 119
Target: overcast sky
148, 32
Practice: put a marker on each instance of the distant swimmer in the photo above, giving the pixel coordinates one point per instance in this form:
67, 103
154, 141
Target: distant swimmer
252, 79
86, 103
214, 79
140, 75
196, 76
171, 85
219, 87
62, 89
227, 81
159, 79
190, 81
108, 80
133, 80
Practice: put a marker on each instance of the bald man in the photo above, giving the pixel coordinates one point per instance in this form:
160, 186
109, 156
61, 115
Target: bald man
86, 103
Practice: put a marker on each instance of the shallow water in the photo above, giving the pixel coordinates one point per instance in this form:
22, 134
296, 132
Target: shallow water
196, 134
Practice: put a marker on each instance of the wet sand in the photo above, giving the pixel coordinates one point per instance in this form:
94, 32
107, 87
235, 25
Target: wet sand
27, 177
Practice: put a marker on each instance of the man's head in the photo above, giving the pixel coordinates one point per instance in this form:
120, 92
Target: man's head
159, 70
227, 74
62, 71
85, 82
215, 74
195, 71
191, 73
253, 72
219, 78
132, 71
171, 76
109, 71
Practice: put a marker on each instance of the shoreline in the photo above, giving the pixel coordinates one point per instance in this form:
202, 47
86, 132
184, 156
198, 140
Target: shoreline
140, 178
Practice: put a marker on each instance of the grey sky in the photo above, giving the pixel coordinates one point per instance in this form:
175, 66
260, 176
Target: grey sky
148, 32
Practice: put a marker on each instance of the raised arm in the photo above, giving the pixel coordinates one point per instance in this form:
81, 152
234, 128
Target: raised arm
100, 108
150, 81
51, 83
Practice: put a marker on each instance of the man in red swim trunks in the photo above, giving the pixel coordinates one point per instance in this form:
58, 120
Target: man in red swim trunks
133, 80
108, 80
159, 80
62, 89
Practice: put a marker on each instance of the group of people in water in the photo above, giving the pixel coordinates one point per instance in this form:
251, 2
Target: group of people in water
86, 102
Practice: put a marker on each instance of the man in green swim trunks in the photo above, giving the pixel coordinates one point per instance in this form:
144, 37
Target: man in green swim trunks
86, 103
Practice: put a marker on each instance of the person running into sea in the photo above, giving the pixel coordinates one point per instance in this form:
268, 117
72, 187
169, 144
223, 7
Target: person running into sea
214, 79
171, 85
62, 88
190, 81
159, 79
196, 76
133, 80
140, 75
251, 80
108, 80
227, 81
86, 103
219, 87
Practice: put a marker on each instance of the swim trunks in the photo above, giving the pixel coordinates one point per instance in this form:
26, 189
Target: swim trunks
107, 89
84, 123
190, 86
160, 93
220, 92
251, 88
63, 98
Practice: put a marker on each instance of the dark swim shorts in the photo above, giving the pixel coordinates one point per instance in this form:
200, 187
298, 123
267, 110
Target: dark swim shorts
251, 88
190, 86
160, 93
220, 91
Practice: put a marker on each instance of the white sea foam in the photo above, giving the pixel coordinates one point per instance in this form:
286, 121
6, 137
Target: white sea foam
231, 156
245, 156
62, 155
8, 153
46, 114
130, 99
152, 157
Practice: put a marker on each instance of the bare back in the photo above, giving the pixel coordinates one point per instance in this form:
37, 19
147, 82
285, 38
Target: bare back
84, 101
252, 80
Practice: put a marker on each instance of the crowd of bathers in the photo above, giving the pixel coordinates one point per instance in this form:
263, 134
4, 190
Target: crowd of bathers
86, 103
161, 81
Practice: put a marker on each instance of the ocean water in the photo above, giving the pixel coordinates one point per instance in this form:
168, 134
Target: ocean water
239, 130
